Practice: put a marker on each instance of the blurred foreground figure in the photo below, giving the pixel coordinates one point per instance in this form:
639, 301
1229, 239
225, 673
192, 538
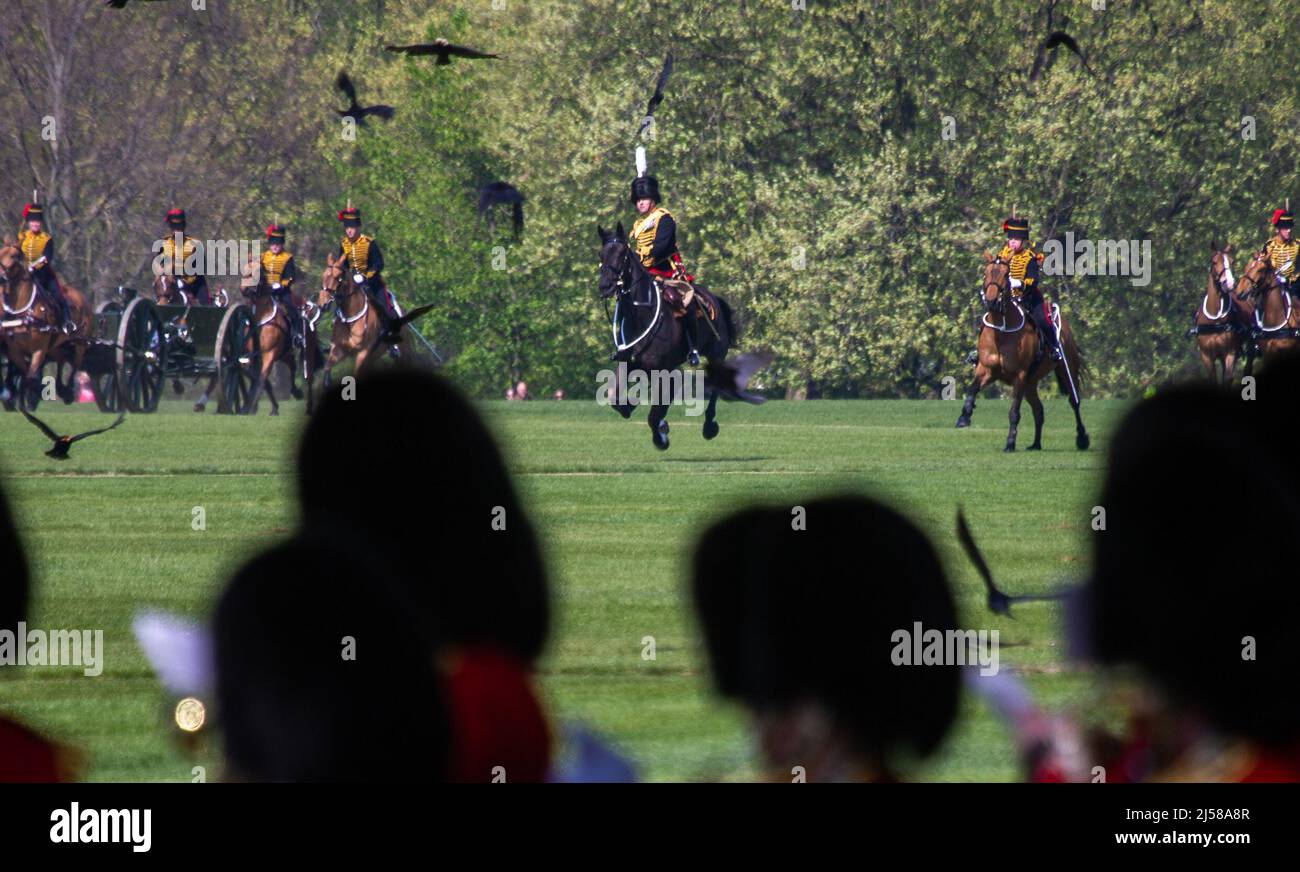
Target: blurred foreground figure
405, 472
24, 755
324, 675
802, 626
1197, 590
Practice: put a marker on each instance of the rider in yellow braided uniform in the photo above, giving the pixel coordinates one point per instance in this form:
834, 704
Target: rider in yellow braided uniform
654, 238
366, 261
37, 247
280, 271
196, 286
1025, 268
1282, 251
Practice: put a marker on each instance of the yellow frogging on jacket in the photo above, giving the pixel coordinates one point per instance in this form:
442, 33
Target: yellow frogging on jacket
188, 249
358, 254
273, 265
1283, 254
33, 245
643, 234
1019, 262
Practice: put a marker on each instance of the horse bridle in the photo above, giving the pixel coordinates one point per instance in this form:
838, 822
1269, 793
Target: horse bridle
1254, 283
1001, 301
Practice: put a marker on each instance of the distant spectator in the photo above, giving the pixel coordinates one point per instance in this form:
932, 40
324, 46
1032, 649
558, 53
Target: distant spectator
85, 392
799, 625
559, 394
521, 391
510, 393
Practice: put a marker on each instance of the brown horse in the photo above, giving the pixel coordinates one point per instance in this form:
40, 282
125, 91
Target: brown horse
1220, 323
33, 332
357, 326
273, 326
1008, 346
170, 291
1277, 316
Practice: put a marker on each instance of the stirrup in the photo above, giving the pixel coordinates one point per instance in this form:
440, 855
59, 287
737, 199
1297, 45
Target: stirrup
693, 358
974, 357
69, 327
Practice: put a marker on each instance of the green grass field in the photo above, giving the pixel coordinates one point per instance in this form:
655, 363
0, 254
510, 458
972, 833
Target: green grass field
109, 532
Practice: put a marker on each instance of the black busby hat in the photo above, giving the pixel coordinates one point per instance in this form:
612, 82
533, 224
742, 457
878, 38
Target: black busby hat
645, 188
275, 232
1283, 218
1016, 228
176, 218
33, 212
351, 216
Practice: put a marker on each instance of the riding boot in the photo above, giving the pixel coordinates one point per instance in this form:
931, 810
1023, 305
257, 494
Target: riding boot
690, 328
65, 310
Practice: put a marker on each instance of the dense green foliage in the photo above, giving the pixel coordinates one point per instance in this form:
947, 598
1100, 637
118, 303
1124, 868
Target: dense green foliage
803, 151
110, 533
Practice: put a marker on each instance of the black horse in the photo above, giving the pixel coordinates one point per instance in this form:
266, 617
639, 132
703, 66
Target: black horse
648, 338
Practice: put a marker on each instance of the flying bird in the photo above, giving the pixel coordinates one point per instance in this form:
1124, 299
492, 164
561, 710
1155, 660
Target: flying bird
495, 193
658, 94
359, 113
731, 379
59, 451
998, 602
440, 47
121, 4
1054, 39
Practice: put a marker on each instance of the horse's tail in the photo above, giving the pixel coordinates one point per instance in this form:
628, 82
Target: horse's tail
728, 319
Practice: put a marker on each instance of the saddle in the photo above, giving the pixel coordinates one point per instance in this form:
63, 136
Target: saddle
679, 295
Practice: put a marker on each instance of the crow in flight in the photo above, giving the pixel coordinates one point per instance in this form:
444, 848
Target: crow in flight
998, 602
59, 451
440, 47
359, 113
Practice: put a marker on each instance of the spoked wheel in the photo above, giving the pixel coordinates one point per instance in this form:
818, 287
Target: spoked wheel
238, 355
108, 393
141, 356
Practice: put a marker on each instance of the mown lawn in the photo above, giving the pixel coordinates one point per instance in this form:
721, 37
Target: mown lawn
109, 533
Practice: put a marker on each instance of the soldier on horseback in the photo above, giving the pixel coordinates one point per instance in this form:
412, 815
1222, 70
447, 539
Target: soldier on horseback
195, 286
1025, 265
37, 247
280, 271
654, 238
1281, 251
364, 258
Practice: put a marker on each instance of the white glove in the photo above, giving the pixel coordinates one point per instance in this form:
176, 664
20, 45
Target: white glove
1015, 283
358, 278
275, 286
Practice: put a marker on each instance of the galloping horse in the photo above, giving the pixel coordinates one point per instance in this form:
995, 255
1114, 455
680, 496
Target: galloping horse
1008, 346
1220, 323
33, 334
357, 326
273, 326
649, 338
1277, 318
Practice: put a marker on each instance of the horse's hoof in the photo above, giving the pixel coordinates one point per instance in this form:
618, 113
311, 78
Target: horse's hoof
1034, 447
178, 388
1081, 441
1011, 446
963, 421
274, 412
710, 429
296, 393
198, 407
661, 443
